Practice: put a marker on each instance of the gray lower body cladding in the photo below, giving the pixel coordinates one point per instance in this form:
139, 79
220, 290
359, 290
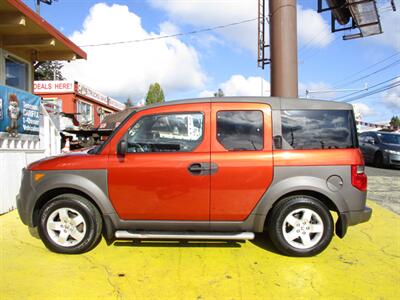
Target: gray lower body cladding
348, 201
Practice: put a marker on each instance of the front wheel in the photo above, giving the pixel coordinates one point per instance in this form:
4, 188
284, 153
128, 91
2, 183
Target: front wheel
300, 226
69, 224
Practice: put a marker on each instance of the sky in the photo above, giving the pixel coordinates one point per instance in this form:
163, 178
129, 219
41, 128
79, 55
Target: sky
197, 65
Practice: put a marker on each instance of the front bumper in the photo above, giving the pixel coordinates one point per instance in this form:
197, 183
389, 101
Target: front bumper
24, 199
394, 160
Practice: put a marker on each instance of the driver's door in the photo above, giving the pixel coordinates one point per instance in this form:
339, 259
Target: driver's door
165, 173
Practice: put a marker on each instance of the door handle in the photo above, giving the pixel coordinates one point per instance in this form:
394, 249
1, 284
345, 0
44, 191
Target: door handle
199, 168
202, 168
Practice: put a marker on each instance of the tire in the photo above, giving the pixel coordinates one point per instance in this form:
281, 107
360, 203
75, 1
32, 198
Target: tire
288, 231
69, 224
378, 160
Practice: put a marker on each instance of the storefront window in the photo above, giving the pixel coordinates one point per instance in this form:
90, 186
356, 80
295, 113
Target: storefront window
17, 74
85, 113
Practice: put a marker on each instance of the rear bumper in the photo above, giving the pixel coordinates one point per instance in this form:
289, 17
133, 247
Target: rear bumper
350, 218
357, 216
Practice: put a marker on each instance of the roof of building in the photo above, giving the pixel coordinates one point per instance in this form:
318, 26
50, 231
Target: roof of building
24, 32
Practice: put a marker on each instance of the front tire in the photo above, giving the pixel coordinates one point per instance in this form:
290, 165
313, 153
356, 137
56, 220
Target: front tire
378, 160
300, 226
69, 224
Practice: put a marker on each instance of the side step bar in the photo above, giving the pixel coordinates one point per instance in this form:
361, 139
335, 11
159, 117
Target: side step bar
123, 234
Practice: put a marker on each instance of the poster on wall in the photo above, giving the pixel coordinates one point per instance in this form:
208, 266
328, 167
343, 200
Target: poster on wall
19, 112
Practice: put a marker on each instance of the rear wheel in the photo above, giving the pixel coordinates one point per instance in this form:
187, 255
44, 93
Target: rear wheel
70, 224
300, 226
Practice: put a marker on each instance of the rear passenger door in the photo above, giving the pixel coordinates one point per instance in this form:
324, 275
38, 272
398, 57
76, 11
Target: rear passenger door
241, 158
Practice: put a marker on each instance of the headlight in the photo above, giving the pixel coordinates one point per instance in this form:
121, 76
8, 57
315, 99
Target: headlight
392, 151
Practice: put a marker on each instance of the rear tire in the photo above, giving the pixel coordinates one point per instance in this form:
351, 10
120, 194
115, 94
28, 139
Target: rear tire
69, 224
300, 226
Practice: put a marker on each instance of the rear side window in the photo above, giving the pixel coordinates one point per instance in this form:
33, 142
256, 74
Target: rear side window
240, 130
318, 129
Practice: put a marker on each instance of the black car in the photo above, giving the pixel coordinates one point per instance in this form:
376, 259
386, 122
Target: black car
380, 148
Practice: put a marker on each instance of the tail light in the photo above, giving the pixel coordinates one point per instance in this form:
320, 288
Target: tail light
358, 177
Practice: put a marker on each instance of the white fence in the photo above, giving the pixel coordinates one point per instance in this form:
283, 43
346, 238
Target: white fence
17, 153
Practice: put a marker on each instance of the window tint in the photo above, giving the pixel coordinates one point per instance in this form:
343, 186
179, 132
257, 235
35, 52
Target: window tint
318, 129
389, 138
166, 133
240, 130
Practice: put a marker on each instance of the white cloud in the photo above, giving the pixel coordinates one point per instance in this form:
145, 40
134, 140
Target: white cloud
238, 85
128, 69
363, 109
312, 28
392, 99
390, 25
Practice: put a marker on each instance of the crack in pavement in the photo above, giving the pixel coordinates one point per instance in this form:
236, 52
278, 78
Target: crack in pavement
115, 287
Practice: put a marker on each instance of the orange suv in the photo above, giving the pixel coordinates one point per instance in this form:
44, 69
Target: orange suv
213, 168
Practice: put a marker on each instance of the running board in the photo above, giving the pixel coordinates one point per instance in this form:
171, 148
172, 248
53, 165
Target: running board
123, 234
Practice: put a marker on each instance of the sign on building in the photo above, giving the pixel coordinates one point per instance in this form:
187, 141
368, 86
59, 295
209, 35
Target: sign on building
48, 87
19, 112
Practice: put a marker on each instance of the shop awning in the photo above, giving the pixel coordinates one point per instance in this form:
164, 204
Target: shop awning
25, 33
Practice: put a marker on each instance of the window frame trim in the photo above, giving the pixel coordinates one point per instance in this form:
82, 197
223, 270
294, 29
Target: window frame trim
4, 54
125, 135
241, 110
88, 103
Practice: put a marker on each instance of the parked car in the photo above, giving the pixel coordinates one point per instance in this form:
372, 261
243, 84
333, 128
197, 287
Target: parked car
220, 168
380, 148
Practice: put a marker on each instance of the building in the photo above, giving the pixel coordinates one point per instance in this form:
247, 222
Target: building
80, 105
27, 133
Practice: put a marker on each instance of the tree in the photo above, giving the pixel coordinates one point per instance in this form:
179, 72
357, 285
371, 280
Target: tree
219, 93
49, 70
128, 102
395, 122
155, 94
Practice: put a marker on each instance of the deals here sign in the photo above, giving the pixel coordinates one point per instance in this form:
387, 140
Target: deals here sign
19, 112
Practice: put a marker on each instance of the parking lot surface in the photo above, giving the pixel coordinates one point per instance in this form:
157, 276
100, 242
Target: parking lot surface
364, 265
384, 187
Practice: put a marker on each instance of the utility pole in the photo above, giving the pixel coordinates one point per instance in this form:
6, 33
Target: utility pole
283, 48
38, 7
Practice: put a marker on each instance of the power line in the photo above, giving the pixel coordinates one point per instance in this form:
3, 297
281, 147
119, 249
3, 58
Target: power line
172, 35
339, 82
382, 89
396, 62
378, 84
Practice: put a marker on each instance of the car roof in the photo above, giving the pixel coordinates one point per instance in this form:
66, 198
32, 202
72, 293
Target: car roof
276, 103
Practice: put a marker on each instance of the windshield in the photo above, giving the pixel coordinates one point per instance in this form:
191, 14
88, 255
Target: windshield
389, 138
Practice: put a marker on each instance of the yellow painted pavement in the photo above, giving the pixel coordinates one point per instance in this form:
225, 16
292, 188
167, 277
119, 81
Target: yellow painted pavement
364, 265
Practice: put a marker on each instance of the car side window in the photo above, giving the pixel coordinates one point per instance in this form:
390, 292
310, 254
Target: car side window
240, 130
178, 132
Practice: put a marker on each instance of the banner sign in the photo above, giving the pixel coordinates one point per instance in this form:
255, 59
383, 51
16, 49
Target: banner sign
91, 93
57, 87
116, 104
19, 112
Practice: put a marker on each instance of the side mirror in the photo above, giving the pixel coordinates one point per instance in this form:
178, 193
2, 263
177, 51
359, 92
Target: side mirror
121, 148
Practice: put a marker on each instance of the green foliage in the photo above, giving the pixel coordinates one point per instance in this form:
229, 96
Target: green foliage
49, 70
219, 93
155, 94
395, 122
